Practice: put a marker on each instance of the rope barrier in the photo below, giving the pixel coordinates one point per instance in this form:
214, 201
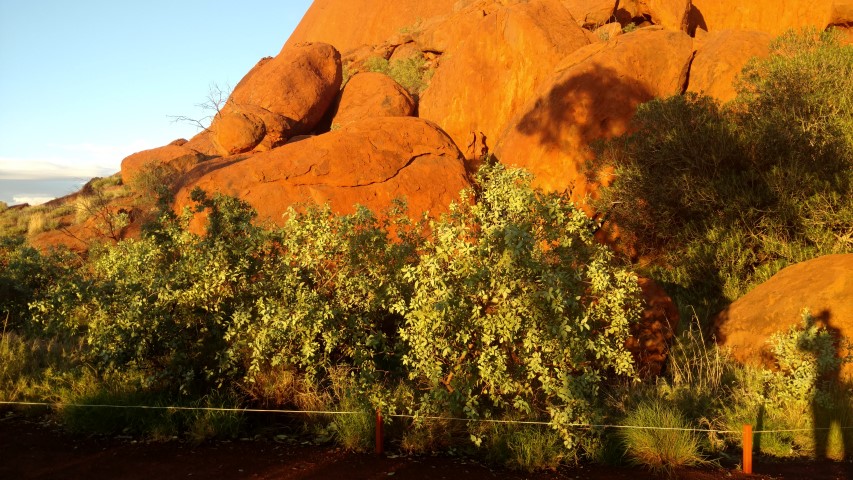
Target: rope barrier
425, 417
208, 409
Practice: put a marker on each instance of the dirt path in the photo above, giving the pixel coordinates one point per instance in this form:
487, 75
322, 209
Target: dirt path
35, 448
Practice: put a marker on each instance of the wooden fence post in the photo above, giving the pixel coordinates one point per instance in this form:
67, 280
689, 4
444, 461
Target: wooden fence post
380, 444
747, 449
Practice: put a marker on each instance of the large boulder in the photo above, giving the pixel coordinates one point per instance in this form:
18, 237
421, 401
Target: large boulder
591, 13
177, 156
824, 285
370, 163
444, 32
372, 95
280, 97
842, 12
203, 143
593, 95
672, 14
721, 58
348, 24
773, 17
483, 81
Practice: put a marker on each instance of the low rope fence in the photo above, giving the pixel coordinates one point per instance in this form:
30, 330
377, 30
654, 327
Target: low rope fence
747, 432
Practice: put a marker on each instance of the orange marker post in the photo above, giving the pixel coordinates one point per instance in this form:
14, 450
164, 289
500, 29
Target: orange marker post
747, 449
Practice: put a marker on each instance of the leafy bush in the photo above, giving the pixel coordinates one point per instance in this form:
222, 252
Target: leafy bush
337, 280
510, 309
161, 304
411, 73
25, 276
719, 198
802, 396
516, 308
806, 355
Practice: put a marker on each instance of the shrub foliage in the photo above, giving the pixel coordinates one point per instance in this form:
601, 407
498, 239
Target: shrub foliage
721, 197
516, 307
504, 306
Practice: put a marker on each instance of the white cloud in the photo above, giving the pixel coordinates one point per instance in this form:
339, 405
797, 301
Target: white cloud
79, 160
31, 200
103, 154
31, 169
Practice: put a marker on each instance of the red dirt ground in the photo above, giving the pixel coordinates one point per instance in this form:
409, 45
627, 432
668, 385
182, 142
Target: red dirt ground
36, 448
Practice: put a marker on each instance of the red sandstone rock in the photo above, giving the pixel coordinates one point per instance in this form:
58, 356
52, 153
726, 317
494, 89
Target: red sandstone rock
405, 51
608, 31
372, 95
824, 285
842, 12
590, 13
179, 157
651, 336
721, 58
202, 143
773, 17
348, 24
281, 96
483, 81
628, 11
593, 96
671, 14
445, 32
370, 163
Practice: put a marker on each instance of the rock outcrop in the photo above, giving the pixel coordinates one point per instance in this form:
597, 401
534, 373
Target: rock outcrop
483, 81
824, 285
773, 17
591, 13
671, 14
720, 59
370, 163
334, 21
280, 97
178, 157
372, 95
593, 96
651, 336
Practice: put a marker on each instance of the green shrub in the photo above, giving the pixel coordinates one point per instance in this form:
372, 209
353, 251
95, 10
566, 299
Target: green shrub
411, 73
511, 310
336, 284
802, 396
807, 356
719, 198
26, 275
160, 304
516, 308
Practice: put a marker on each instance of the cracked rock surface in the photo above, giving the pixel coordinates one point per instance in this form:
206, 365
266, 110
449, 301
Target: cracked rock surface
369, 163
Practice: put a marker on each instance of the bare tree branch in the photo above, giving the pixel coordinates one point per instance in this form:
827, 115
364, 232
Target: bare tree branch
215, 100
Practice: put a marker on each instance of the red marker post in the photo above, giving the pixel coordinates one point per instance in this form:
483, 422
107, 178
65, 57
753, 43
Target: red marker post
380, 443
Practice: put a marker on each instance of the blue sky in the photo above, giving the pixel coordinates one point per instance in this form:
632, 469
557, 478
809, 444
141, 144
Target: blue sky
85, 83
